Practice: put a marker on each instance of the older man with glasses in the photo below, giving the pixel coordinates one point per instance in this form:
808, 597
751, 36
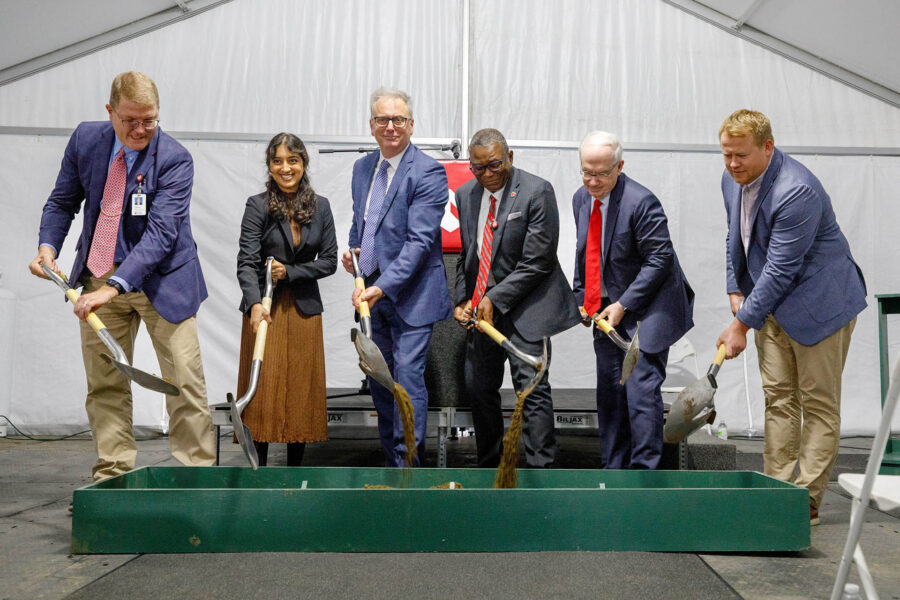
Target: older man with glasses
626, 271
399, 194
508, 275
137, 261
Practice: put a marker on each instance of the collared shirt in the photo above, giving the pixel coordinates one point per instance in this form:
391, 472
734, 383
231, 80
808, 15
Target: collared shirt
604, 206
394, 162
130, 156
749, 196
482, 219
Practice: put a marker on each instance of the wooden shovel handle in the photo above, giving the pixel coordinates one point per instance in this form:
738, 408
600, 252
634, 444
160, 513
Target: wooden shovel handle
363, 305
603, 324
486, 327
92, 319
492, 332
720, 355
259, 346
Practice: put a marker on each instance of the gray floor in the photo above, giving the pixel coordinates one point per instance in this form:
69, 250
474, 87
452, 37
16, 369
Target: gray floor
37, 479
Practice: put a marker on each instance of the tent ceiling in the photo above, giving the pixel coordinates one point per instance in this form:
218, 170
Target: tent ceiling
856, 36
39, 34
34, 28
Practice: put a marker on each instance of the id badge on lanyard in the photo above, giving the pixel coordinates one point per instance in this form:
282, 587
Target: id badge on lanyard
139, 199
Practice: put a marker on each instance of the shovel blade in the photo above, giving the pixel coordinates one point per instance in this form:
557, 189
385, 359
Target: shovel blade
690, 411
631, 356
242, 433
143, 379
371, 360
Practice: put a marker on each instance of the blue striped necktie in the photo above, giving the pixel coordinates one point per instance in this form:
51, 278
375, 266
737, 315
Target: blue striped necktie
368, 262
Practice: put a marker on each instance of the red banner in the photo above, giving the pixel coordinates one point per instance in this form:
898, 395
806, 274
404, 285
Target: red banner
457, 174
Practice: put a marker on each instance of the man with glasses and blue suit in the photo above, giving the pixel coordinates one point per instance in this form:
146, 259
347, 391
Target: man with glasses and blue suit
626, 271
508, 275
137, 260
399, 194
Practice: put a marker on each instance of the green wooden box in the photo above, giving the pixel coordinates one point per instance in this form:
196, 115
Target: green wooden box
317, 509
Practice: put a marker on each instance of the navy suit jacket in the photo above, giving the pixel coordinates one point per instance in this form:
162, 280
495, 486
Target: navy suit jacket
640, 268
530, 285
160, 256
798, 265
408, 234
262, 235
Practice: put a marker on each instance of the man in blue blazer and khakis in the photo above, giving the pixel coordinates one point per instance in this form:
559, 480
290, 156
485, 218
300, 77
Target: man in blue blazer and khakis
790, 276
138, 262
626, 271
399, 195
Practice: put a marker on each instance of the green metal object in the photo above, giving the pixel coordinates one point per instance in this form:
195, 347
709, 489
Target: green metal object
888, 304
310, 509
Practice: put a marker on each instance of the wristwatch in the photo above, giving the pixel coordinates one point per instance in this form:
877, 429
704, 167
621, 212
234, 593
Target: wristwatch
115, 284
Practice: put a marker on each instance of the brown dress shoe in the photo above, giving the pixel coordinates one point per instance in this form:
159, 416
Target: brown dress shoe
813, 515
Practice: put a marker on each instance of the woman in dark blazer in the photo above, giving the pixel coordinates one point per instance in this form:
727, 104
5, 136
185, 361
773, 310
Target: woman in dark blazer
292, 224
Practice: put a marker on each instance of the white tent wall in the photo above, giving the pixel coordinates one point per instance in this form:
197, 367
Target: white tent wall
539, 71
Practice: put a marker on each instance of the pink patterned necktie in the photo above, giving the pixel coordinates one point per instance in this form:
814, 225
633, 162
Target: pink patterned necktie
103, 246
484, 261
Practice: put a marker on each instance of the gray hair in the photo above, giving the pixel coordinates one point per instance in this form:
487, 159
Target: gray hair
602, 138
386, 92
488, 137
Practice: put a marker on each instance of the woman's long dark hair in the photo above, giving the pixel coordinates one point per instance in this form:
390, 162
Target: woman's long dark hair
301, 205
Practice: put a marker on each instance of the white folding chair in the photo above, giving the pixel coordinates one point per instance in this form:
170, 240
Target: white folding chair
884, 490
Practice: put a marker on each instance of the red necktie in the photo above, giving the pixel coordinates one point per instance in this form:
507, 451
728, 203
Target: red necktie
484, 262
593, 261
103, 246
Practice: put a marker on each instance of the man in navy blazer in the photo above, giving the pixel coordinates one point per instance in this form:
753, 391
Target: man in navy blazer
790, 276
641, 280
154, 274
399, 195
525, 296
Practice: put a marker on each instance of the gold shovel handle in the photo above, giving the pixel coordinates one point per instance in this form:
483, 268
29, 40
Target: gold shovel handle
486, 327
720, 355
603, 324
92, 319
363, 305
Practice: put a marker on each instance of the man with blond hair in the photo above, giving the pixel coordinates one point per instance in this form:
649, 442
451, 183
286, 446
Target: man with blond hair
137, 261
790, 276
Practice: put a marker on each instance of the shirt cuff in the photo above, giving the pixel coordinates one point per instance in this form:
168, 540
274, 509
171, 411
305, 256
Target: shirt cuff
52, 247
122, 282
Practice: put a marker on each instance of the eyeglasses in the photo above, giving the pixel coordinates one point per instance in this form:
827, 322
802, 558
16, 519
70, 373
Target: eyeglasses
494, 166
399, 122
149, 124
602, 175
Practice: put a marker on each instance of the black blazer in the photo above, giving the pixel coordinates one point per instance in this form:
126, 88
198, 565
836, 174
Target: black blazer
530, 285
262, 235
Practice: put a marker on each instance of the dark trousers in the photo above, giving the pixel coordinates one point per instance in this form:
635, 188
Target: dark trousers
630, 417
404, 348
484, 375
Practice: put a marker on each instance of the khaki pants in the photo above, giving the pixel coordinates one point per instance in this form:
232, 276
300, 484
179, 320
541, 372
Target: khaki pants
802, 386
109, 403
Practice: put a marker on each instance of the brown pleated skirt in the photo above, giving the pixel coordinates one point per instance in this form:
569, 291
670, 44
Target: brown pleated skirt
289, 405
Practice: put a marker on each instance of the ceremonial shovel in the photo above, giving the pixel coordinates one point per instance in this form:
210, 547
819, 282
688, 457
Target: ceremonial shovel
540, 363
632, 349
241, 431
694, 406
371, 361
119, 360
